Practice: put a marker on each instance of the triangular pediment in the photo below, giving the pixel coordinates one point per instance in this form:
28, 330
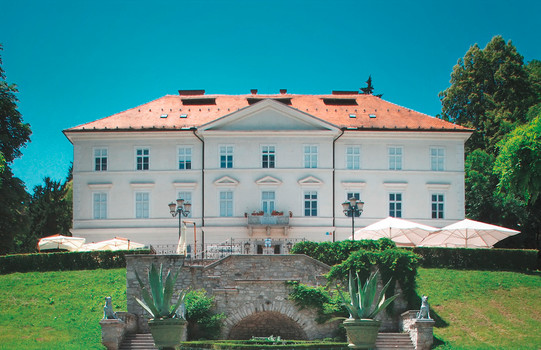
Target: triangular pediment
310, 181
269, 115
226, 181
268, 181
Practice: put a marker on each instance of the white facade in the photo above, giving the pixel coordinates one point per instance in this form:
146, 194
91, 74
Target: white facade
262, 157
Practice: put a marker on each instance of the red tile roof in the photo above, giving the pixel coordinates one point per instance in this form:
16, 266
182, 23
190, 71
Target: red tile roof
335, 109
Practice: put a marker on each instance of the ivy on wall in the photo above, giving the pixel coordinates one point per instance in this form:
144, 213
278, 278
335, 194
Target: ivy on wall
363, 257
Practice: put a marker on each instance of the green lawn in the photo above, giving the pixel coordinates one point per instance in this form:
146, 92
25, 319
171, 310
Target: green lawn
473, 309
57, 310
483, 309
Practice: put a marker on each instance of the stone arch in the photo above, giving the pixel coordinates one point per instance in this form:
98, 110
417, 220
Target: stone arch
283, 311
265, 324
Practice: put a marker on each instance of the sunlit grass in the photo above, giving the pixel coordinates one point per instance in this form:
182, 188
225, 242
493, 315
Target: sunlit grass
57, 310
484, 309
473, 309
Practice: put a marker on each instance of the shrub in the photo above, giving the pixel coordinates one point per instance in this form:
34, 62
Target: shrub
332, 253
203, 323
478, 259
65, 261
398, 264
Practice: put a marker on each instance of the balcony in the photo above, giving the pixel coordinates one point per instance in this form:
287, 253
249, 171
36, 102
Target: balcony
276, 221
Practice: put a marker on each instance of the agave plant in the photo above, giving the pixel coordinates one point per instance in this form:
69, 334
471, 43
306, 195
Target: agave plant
363, 305
158, 301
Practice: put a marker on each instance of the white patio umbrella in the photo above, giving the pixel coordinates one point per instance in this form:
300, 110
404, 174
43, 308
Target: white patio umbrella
117, 243
60, 242
400, 231
468, 234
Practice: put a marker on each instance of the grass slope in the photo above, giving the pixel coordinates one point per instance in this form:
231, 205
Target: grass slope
473, 309
483, 309
57, 310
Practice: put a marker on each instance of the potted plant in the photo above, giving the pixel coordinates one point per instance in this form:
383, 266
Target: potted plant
166, 324
365, 303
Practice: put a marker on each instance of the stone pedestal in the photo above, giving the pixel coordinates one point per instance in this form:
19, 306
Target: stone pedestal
420, 330
112, 333
130, 320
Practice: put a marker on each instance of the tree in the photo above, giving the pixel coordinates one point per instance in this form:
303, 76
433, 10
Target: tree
518, 164
13, 212
14, 134
49, 211
490, 92
369, 89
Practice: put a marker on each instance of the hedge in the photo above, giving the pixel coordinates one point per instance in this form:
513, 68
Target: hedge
64, 261
255, 345
478, 259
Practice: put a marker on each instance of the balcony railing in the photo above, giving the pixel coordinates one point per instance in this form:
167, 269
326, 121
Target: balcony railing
215, 251
257, 219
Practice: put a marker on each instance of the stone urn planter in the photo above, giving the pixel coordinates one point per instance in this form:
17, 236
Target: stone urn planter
362, 334
361, 327
168, 320
167, 332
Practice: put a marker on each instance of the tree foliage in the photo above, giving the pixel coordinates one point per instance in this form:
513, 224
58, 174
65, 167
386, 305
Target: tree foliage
490, 92
14, 134
493, 92
518, 164
369, 89
13, 212
50, 211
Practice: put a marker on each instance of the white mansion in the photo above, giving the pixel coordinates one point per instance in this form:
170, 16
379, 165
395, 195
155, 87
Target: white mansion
263, 166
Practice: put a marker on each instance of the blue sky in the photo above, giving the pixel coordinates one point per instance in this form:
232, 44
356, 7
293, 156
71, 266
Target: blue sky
78, 61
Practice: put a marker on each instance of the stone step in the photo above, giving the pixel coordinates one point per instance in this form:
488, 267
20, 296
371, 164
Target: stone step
389, 341
385, 341
138, 342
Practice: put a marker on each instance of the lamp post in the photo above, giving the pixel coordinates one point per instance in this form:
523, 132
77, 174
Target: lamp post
181, 209
354, 208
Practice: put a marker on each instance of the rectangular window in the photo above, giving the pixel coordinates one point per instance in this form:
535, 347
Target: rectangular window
226, 157
100, 205
142, 158
267, 201
437, 158
310, 203
187, 196
395, 158
100, 159
142, 205
395, 205
437, 206
226, 203
184, 158
267, 156
310, 156
353, 157
355, 195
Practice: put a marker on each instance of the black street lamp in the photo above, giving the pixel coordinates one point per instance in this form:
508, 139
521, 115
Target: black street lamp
353, 208
181, 209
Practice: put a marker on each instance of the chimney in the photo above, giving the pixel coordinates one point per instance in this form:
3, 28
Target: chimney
254, 91
191, 92
283, 91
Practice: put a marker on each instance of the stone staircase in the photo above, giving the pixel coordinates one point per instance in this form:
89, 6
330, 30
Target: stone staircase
385, 341
141, 341
388, 341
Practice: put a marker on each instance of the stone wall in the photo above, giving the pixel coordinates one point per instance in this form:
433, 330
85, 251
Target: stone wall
247, 289
251, 291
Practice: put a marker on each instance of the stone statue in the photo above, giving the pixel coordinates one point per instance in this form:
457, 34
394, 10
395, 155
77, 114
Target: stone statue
424, 313
108, 313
